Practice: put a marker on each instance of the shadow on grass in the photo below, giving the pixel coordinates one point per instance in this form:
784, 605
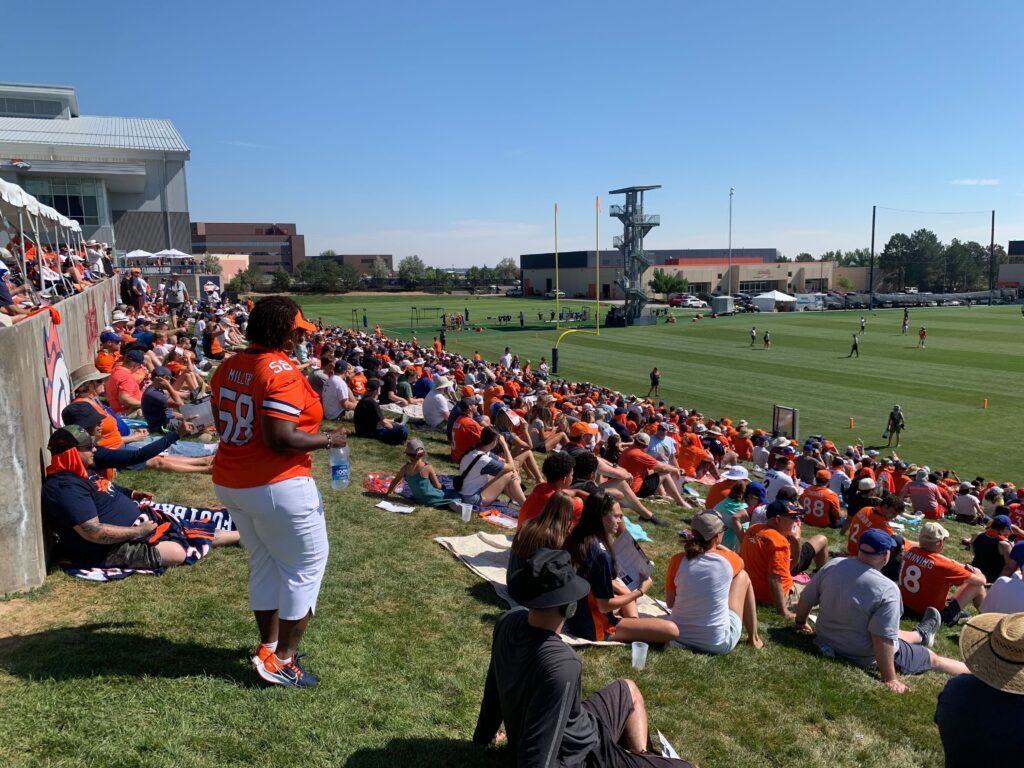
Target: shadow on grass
483, 592
450, 753
790, 638
112, 649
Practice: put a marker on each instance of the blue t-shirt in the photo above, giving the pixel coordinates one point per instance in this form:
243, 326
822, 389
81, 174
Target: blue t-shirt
154, 408
70, 500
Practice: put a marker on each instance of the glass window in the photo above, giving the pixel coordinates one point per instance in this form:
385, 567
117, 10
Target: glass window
79, 199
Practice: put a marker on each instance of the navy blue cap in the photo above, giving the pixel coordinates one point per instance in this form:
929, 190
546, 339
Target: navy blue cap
875, 541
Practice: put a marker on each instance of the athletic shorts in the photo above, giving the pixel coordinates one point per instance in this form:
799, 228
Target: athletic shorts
134, 554
649, 486
735, 630
805, 559
282, 527
912, 659
611, 707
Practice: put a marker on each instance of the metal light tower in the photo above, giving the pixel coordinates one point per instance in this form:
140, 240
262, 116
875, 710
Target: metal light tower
731, 192
635, 226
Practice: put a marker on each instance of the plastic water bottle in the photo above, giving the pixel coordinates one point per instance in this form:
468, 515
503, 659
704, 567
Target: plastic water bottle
339, 468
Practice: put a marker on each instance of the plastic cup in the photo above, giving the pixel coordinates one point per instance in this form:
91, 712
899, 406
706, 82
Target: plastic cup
467, 512
639, 655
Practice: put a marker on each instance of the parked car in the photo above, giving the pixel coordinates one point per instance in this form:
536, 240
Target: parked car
554, 294
514, 292
692, 302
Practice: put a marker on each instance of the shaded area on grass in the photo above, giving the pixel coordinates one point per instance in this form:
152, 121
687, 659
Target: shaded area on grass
115, 649
447, 752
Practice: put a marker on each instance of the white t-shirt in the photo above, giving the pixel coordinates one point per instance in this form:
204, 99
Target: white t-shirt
1005, 596
838, 483
701, 610
774, 480
506, 360
485, 468
335, 392
436, 408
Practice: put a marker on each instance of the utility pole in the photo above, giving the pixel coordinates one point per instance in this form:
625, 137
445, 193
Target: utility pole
871, 273
731, 192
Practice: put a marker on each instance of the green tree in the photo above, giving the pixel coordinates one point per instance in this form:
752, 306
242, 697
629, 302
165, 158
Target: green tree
894, 262
783, 258
830, 256
804, 257
280, 280
844, 283
328, 254
412, 271
664, 283
210, 264
379, 271
348, 276
319, 275
250, 279
506, 270
473, 276
859, 257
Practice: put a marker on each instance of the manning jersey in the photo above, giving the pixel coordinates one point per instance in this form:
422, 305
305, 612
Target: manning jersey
245, 388
926, 578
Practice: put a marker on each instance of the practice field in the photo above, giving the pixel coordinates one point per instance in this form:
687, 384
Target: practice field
154, 671
971, 355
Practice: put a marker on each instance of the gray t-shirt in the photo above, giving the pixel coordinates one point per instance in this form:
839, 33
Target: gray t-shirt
175, 292
854, 602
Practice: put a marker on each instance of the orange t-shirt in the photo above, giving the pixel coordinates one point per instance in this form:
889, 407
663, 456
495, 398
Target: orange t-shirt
717, 492
636, 462
465, 435
538, 499
926, 578
866, 519
821, 505
105, 361
110, 437
765, 551
437, 347
358, 383
247, 387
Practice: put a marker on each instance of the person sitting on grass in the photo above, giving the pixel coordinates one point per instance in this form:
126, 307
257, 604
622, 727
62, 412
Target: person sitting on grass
966, 506
607, 613
733, 512
422, 480
94, 520
546, 531
485, 477
557, 470
1006, 595
859, 617
650, 476
534, 682
369, 419
992, 547
820, 503
160, 401
773, 553
585, 473
709, 592
926, 576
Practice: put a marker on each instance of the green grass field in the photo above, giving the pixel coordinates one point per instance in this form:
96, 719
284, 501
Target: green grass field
155, 672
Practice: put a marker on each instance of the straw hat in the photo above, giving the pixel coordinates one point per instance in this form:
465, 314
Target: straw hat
992, 645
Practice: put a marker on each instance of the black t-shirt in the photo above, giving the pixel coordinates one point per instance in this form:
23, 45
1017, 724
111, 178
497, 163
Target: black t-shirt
367, 416
973, 718
385, 390
70, 500
533, 686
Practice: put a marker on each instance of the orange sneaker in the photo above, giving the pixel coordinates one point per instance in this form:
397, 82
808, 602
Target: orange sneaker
262, 654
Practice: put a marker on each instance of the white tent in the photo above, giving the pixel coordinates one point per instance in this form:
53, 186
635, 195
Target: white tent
138, 254
171, 253
766, 302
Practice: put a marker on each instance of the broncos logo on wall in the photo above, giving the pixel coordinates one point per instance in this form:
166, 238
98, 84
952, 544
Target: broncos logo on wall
56, 377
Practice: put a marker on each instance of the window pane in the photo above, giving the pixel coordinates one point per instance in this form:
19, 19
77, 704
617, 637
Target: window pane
89, 206
74, 207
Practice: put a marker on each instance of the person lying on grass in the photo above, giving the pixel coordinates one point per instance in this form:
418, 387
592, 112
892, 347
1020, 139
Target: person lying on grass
609, 612
534, 682
859, 616
708, 591
422, 480
94, 520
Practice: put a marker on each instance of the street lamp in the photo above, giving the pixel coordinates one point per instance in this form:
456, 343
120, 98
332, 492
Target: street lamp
731, 192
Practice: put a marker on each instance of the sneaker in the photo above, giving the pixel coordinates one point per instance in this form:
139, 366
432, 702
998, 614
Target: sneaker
660, 522
262, 654
929, 626
289, 673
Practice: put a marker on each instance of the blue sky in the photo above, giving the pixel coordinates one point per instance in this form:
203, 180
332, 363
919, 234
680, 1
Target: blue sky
448, 129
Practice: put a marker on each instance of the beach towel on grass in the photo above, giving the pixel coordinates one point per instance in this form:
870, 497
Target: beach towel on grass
194, 532
378, 482
486, 555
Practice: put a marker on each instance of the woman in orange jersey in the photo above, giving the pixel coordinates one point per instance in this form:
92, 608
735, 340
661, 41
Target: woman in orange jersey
268, 417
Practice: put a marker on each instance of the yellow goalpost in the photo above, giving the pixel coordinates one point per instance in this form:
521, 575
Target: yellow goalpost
596, 330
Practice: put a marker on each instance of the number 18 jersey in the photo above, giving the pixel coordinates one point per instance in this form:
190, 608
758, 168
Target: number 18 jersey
247, 387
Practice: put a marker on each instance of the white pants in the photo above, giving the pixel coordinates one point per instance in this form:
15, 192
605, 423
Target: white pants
282, 527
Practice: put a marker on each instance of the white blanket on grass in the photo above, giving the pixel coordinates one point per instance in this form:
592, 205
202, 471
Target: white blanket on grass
486, 555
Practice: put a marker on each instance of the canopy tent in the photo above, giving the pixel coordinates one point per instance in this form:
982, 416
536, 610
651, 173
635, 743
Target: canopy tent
766, 302
139, 254
16, 202
171, 253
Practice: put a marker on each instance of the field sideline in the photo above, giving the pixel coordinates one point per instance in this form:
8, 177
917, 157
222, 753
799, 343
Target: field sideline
971, 355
